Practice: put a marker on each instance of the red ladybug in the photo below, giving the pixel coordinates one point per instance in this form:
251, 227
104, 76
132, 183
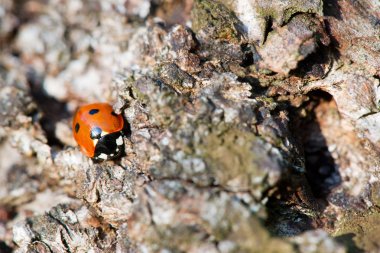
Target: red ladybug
98, 131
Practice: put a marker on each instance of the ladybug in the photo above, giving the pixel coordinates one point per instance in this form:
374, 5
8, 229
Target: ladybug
98, 130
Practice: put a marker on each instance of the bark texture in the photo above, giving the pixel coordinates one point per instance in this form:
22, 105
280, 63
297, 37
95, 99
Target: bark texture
252, 125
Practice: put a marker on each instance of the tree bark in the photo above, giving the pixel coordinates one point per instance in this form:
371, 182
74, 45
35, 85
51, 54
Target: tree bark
252, 126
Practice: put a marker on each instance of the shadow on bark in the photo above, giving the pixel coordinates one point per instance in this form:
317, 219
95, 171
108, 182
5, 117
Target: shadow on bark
321, 171
298, 203
52, 110
347, 239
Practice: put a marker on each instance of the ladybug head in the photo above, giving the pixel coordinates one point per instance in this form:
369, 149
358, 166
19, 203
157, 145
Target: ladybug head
108, 147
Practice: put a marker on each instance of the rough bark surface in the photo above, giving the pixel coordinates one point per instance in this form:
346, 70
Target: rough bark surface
252, 125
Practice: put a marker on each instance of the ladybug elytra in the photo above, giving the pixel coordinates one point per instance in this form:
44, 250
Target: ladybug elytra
98, 130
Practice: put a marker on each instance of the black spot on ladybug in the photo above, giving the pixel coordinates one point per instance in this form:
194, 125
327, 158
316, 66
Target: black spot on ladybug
77, 126
95, 133
114, 114
93, 111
